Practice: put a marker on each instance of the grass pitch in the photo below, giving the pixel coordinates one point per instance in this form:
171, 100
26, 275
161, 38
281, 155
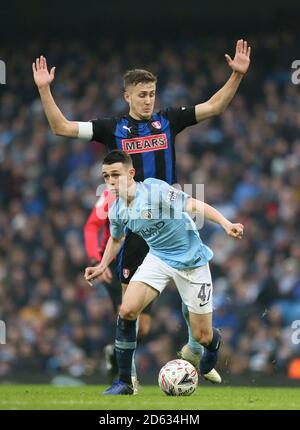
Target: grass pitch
46, 397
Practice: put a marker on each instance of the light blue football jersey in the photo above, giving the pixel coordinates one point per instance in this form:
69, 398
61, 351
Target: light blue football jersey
157, 213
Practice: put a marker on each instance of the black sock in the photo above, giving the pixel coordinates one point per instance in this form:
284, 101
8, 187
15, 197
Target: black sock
216, 340
125, 346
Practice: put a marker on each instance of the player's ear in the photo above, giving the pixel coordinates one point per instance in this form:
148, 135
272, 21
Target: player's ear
126, 96
131, 172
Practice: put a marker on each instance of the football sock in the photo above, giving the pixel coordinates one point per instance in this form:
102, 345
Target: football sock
210, 356
216, 341
194, 346
125, 346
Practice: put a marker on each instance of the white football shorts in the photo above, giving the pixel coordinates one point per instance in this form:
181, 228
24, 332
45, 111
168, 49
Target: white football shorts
194, 285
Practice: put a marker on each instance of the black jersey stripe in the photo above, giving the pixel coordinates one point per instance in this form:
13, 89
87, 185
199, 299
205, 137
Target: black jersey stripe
165, 161
169, 159
159, 157
160, 165
148, 157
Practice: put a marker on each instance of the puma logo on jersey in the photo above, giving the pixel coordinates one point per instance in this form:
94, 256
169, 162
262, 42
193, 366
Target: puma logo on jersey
127, 128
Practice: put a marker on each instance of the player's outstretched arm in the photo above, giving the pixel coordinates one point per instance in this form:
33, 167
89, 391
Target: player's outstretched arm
112, 248
221, 99
43, 78
232, 229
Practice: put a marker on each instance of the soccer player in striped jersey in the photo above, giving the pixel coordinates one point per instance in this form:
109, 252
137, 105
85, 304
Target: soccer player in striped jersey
148, 136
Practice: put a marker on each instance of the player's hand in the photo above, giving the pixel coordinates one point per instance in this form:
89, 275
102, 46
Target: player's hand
92, 273
241, 60
106, 276
41, 76
235, 230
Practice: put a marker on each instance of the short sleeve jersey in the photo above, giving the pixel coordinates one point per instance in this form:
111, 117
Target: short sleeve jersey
151, 143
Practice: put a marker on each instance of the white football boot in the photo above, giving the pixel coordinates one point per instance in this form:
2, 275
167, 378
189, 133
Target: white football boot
186, 354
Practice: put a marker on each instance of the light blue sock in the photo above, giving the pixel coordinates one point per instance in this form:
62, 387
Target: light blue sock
194, 346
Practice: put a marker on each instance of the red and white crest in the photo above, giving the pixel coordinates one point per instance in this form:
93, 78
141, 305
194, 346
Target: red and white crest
156, 124
126, 273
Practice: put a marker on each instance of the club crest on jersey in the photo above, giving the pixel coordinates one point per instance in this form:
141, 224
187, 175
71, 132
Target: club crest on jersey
156, 124
126, 273
172, 195
146, 214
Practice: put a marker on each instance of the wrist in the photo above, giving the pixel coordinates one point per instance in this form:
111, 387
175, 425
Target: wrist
102, 266
238, 75
44, 88
226, 224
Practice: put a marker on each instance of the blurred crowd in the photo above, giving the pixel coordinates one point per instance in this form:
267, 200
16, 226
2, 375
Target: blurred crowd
248, 159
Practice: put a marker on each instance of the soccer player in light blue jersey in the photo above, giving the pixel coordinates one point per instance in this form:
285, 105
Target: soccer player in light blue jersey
160, 214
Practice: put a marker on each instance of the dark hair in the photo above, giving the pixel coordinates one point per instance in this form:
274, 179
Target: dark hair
135, 76
117, 156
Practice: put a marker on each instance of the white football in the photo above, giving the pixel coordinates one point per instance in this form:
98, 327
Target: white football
178, 378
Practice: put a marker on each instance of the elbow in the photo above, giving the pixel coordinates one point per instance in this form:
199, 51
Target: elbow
217, 105
218, 109
221, 110
60, 128
56, 130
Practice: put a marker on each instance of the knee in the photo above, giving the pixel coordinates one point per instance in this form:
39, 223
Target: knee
127, 313
204, 337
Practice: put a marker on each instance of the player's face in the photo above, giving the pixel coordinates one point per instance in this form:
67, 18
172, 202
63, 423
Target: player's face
141, 99
118, 178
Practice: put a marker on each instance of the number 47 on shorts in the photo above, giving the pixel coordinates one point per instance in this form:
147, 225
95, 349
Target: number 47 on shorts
204, 293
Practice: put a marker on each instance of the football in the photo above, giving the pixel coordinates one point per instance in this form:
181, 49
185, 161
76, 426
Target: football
178, 378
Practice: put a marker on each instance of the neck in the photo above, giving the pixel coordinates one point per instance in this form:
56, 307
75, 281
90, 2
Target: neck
137, 117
